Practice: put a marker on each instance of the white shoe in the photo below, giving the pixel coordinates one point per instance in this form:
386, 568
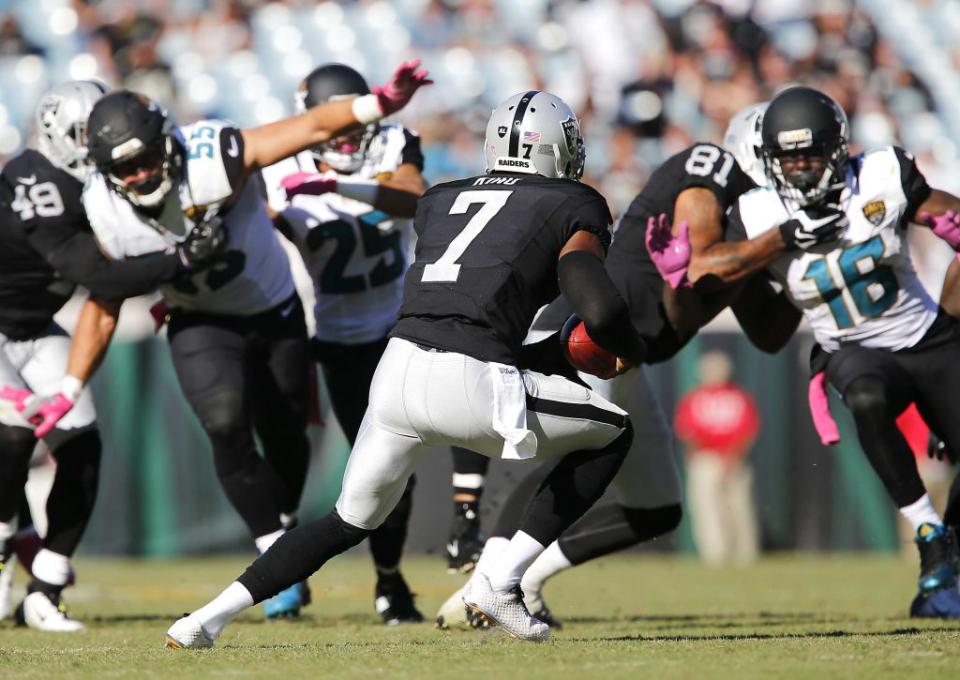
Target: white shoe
537, 606
187, 633
504, 609
6, 587
43, 612
453, 612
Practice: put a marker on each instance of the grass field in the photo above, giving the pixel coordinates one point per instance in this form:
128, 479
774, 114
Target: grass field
627, 617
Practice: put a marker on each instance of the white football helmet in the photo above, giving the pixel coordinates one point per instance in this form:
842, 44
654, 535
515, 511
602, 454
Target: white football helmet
61, 124
536, 133
743, 139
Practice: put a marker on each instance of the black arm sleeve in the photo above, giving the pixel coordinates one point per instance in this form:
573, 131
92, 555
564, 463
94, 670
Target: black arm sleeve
915, 186
585, 283
78, 259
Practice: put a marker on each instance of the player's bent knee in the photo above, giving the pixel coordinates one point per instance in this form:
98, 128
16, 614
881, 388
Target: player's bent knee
16, 443
652, 522
867, 396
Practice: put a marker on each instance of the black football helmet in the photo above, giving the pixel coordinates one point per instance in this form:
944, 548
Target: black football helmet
127, 133
328, 83
802, 124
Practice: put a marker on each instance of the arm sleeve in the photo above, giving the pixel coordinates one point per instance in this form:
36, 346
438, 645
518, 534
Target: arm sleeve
584, 282
412, 153
914, 184
78, 259
231, 151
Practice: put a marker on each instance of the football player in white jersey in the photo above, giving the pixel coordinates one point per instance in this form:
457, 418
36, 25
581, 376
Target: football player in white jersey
236, 330
885, 342
347, 204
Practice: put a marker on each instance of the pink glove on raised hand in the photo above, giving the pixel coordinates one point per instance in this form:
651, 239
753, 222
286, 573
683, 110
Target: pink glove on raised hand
400, 88
670, 254
48, 413
309, 183
819, 404
946, 226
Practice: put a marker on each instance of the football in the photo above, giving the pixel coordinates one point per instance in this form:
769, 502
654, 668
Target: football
583, 353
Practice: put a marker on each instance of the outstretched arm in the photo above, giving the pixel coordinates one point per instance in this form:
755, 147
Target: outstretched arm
267, 144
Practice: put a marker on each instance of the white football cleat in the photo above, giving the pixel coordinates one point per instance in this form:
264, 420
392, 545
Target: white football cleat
453, 612
6, 587
47, 613
504, 609
187, 633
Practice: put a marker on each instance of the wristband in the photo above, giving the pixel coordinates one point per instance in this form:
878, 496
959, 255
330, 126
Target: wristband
366, 109
359, 189
71, 387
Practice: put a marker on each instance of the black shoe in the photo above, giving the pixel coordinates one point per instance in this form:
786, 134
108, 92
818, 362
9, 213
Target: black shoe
394, 601
937, 558
466, 542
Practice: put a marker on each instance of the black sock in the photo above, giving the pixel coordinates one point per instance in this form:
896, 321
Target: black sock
572, 487
609, 528
74, 492
298, 554
16, 447
386, 542
511, 514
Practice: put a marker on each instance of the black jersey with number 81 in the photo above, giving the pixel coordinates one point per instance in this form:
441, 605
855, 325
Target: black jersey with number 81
486, 259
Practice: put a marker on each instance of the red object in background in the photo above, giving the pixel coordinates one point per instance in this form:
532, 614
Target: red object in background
722, 419
916, 432
583, 353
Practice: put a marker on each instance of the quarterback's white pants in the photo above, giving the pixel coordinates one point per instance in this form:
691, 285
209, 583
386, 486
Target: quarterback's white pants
39, 364
421, 398
650, 474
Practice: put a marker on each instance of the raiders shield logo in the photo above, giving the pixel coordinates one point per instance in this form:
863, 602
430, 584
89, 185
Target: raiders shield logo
502, 131
875, 211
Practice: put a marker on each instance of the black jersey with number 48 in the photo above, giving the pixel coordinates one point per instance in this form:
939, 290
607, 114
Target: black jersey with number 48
486, 259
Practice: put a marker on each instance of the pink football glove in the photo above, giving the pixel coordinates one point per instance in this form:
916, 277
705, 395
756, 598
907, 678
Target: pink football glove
946, 226
400, 88
21, 397
309, 183
670, 254
819, 404
48, 413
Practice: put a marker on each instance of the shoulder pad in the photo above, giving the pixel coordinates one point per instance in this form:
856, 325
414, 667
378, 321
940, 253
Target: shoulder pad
206, 174
761, 210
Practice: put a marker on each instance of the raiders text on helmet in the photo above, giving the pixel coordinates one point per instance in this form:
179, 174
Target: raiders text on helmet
744, 140
329, 83
537, 133
61, 124
128, 131
801, 121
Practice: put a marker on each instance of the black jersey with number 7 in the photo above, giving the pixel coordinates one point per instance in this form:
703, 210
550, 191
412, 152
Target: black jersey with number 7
486, 259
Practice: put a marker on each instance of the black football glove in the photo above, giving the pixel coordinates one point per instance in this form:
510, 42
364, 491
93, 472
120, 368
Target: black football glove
205, 241
936, 448
809, 226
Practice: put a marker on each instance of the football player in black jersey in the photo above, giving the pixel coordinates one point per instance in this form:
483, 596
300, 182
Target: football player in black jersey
695, 186
884, 342
47, 250
490, 251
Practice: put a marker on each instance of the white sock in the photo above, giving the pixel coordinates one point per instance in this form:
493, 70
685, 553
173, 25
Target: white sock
491, 551
551, 561
264, 542
217, 613
51, 567
519, 554
921, 512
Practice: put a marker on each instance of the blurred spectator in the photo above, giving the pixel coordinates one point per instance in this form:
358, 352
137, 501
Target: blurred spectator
718, 422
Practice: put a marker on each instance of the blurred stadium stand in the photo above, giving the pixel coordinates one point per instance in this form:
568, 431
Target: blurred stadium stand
648, 77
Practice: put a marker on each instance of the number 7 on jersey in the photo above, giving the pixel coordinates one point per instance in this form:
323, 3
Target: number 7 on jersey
446, 269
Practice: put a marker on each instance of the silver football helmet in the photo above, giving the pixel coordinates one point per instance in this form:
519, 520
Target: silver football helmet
743, 139
61, 125
536, 133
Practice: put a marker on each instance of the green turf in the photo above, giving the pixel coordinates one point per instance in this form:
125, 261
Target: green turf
627, 617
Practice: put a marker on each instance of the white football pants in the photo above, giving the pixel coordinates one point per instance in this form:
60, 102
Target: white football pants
422, 398
39, 364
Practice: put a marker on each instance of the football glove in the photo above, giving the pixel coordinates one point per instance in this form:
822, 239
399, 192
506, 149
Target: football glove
205, 241
946, 226
810, 226
670, 254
